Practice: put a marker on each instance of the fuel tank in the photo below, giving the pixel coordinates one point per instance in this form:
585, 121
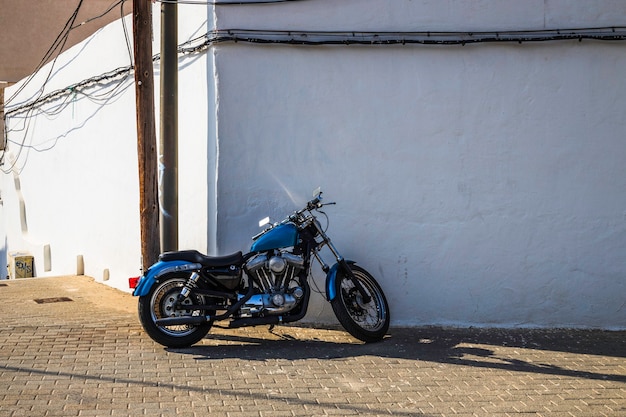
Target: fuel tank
281, 236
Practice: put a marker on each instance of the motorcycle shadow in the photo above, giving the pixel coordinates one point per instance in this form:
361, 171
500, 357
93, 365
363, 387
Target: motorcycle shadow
293, 342
480, 348
280, 342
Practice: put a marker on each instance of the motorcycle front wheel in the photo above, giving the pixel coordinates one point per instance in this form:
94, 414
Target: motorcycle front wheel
369, 321
160, 303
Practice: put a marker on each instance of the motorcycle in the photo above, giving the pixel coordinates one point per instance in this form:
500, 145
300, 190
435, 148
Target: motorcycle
185, 292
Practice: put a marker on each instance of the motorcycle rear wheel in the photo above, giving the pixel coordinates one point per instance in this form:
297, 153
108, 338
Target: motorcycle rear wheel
368, 322
159, 303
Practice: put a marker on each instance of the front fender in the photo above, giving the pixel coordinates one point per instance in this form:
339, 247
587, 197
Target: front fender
331, 277
159, 269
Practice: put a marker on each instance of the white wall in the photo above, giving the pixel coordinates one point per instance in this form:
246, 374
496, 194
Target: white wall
76, 163
424, 15
482, 185
78, 171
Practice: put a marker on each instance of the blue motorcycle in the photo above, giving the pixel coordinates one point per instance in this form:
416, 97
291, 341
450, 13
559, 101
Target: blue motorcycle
185, 292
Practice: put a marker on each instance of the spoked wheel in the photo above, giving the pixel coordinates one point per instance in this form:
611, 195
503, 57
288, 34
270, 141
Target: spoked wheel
160, 303
369, 321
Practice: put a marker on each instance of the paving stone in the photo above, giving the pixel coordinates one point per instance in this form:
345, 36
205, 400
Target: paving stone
90, 357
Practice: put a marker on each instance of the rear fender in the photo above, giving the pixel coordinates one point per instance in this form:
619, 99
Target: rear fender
159, 269
331, 277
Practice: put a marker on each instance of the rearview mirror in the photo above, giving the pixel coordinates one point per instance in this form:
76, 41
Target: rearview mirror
264, 221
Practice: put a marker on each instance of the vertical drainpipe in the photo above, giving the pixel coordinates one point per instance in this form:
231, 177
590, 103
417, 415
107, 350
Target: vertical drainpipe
168, 161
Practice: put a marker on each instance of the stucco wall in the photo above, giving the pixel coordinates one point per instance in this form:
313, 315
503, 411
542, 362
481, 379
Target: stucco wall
77, 171
477, 195
482, 185
75, 162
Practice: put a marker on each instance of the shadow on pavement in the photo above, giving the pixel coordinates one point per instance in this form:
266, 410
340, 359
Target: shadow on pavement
433, 344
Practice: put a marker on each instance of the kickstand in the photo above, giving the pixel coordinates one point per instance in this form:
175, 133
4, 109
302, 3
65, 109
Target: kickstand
282, 336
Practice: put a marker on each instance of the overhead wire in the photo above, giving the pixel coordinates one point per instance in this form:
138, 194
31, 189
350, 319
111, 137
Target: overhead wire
56, 48
346, 38
91, 19
403, 38
57, 45
126, 37
315, 38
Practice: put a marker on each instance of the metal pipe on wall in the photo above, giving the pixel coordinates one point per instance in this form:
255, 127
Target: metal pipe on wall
168, 161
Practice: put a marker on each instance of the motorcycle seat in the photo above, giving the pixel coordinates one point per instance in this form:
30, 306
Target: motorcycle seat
206, 261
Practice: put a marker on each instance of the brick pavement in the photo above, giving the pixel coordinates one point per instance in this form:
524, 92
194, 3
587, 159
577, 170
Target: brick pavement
90, 357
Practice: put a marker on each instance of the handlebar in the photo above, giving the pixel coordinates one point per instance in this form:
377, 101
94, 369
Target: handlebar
296, 216
314, 204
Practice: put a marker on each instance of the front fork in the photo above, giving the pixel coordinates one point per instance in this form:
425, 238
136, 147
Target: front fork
342, 265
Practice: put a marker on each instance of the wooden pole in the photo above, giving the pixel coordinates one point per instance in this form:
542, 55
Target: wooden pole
2, 132
146, 135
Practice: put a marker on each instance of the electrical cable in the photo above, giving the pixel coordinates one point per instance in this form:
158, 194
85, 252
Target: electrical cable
404, 38
126, 37
58, 45
111, 7
111, 89
315, 38
57, 94
61, 39
347, 38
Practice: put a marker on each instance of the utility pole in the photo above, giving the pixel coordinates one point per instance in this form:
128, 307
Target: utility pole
146, 135
168, 161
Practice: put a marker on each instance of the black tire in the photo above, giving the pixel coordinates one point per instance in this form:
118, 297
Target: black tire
367, 322
158, 304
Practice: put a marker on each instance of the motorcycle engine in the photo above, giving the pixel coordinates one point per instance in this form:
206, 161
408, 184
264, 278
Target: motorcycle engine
277, 276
